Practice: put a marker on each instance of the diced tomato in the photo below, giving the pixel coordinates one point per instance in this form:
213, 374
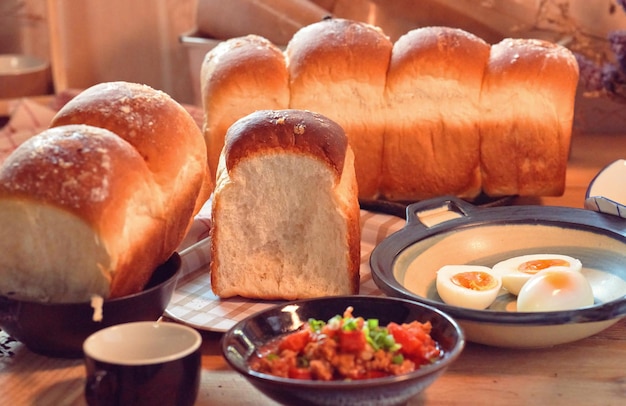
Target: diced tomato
352, 341
415, 340
295, 341
329, 331
336, 350
300, 373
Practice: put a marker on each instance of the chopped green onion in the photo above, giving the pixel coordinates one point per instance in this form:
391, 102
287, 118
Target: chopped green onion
388, 341
372, 324
397, 359
350, 324
335, 322
379, 337
316, 325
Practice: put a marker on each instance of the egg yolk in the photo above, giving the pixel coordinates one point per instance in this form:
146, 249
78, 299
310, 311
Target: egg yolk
474, 280
558, 280
537, 265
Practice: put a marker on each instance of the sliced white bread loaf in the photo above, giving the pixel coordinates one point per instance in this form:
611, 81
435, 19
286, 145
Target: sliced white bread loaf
285, 209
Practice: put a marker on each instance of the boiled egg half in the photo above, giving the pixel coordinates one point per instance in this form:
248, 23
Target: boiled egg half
516, 271
470, 286
555, 290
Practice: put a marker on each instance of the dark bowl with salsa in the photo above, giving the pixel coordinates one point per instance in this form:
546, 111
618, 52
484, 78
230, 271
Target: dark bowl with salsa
385, 350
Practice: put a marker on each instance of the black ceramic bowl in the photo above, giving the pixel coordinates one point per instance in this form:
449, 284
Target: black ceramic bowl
449, 231
58, 330
244, 339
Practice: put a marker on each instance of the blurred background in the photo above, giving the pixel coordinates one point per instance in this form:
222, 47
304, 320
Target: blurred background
162, 42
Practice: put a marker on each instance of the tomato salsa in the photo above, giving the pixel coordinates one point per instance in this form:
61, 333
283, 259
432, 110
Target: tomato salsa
348, 348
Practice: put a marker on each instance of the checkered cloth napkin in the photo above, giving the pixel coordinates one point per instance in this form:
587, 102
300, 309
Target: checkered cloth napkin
27, 118
195, 304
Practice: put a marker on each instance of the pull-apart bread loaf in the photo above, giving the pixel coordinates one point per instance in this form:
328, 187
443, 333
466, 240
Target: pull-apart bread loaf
437, 112
285, 209
93, 209
240, 76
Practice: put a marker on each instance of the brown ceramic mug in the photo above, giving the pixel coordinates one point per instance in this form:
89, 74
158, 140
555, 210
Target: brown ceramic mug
143, 363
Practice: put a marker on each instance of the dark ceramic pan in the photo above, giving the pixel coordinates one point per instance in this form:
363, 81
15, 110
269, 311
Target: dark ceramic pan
448, 230
58, 330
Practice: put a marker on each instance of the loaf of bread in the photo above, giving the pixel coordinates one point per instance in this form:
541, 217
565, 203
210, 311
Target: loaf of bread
424, 114
162, 131
240, 76
337, 68
77, 204
432, 143
93, 208
527, 110
285, 209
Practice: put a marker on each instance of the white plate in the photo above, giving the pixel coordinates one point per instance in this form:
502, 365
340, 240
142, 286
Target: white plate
194, 303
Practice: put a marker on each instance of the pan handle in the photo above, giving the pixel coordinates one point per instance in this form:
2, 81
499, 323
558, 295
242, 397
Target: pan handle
432, 212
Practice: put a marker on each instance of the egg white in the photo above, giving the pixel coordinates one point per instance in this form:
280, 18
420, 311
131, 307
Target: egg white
460, 296
555, 290
513, 279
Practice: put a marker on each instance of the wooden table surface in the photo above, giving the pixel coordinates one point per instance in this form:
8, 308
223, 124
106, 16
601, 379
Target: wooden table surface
590, 372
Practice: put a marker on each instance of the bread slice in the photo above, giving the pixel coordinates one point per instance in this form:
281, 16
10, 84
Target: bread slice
338, 68
432, 95
285, 209
527, 110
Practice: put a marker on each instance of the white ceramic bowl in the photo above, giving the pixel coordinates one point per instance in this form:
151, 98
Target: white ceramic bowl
607, 191
23, 75
449, 231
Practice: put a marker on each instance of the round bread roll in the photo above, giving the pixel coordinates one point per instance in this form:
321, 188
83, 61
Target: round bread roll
285, 209
238, 77
527, 111
338, 68
163, 133
80, 215
432, 139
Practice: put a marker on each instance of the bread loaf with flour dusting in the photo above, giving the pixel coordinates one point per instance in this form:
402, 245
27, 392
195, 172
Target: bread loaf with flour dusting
91, 206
